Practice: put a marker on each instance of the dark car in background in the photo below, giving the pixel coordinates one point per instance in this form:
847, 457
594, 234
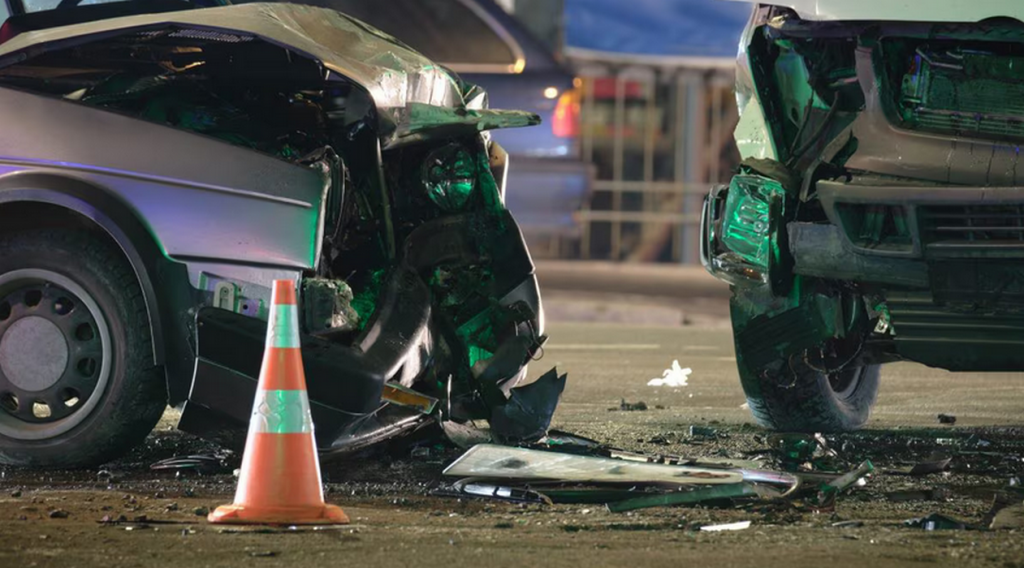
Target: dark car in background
488, 47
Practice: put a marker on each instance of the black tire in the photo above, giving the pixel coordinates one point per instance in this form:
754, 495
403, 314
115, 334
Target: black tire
801, 399
113, 394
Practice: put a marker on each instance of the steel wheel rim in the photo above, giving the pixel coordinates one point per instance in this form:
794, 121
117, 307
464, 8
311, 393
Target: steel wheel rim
86, 311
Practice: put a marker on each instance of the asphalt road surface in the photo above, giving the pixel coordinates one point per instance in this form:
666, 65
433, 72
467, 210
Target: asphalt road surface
397, 522
607, 363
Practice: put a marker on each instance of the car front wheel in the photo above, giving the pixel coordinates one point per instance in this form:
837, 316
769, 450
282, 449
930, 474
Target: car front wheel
791, 394
78, 385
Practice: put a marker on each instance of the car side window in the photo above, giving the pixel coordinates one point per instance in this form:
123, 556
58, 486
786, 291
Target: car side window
40, 5
4, 12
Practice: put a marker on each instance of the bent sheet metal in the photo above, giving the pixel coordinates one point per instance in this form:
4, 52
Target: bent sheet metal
491, 461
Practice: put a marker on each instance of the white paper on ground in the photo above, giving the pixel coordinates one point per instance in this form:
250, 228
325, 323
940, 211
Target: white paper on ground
674, 377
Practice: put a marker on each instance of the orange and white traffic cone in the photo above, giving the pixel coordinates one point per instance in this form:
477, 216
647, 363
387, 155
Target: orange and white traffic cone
280, 476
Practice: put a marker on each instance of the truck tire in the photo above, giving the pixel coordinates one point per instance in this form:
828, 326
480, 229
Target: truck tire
78, 386
801, 399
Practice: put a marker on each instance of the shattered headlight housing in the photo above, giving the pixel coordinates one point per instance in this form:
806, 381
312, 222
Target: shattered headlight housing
449, 177
740, 224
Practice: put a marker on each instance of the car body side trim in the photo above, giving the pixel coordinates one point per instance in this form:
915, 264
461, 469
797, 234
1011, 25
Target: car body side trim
5, 160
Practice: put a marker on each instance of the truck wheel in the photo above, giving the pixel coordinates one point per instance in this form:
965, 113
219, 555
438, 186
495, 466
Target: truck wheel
789, 396
77, 382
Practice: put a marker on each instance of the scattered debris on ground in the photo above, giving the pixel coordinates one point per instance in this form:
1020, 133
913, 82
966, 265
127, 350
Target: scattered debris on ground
624, 406
199, 464
626, 481
936, 522
703, 432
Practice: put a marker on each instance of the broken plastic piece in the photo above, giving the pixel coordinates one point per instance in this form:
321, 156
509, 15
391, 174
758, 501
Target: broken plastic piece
802, 450
557, 439
397, 394
203, 465
701, 495
826, 496
727, 527
936, 521
465, 435
934, 464
847, 480
674, 377
703, 432
514, 494
527, 414
499, 462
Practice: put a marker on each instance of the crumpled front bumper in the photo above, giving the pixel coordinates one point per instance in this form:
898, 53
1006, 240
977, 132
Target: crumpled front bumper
405, 343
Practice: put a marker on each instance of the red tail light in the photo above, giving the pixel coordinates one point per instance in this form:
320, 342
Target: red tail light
565, 122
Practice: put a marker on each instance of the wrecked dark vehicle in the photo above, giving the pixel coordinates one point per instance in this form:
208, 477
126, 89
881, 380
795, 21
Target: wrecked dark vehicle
877, 215
162, 165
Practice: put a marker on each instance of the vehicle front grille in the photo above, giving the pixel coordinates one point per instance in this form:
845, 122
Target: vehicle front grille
964, 92
989, 338
975, 225
876, 226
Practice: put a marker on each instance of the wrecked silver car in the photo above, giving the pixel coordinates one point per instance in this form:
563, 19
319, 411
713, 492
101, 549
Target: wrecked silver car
877, 215
161, 168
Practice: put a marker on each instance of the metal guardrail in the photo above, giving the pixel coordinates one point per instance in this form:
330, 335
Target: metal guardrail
651, 186
638, 217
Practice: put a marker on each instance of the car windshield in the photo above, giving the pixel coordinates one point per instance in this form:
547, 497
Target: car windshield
446, 31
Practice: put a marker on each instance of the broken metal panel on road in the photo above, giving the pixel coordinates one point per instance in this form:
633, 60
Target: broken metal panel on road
490, 461
696, 496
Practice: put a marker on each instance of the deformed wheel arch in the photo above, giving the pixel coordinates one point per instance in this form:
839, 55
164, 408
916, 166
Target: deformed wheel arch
71, 200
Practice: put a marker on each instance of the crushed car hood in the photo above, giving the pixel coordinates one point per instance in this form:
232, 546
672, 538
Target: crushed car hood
902, 10
411, 92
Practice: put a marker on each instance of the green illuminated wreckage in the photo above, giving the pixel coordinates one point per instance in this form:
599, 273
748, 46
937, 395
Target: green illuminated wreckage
193, 157
877, 215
